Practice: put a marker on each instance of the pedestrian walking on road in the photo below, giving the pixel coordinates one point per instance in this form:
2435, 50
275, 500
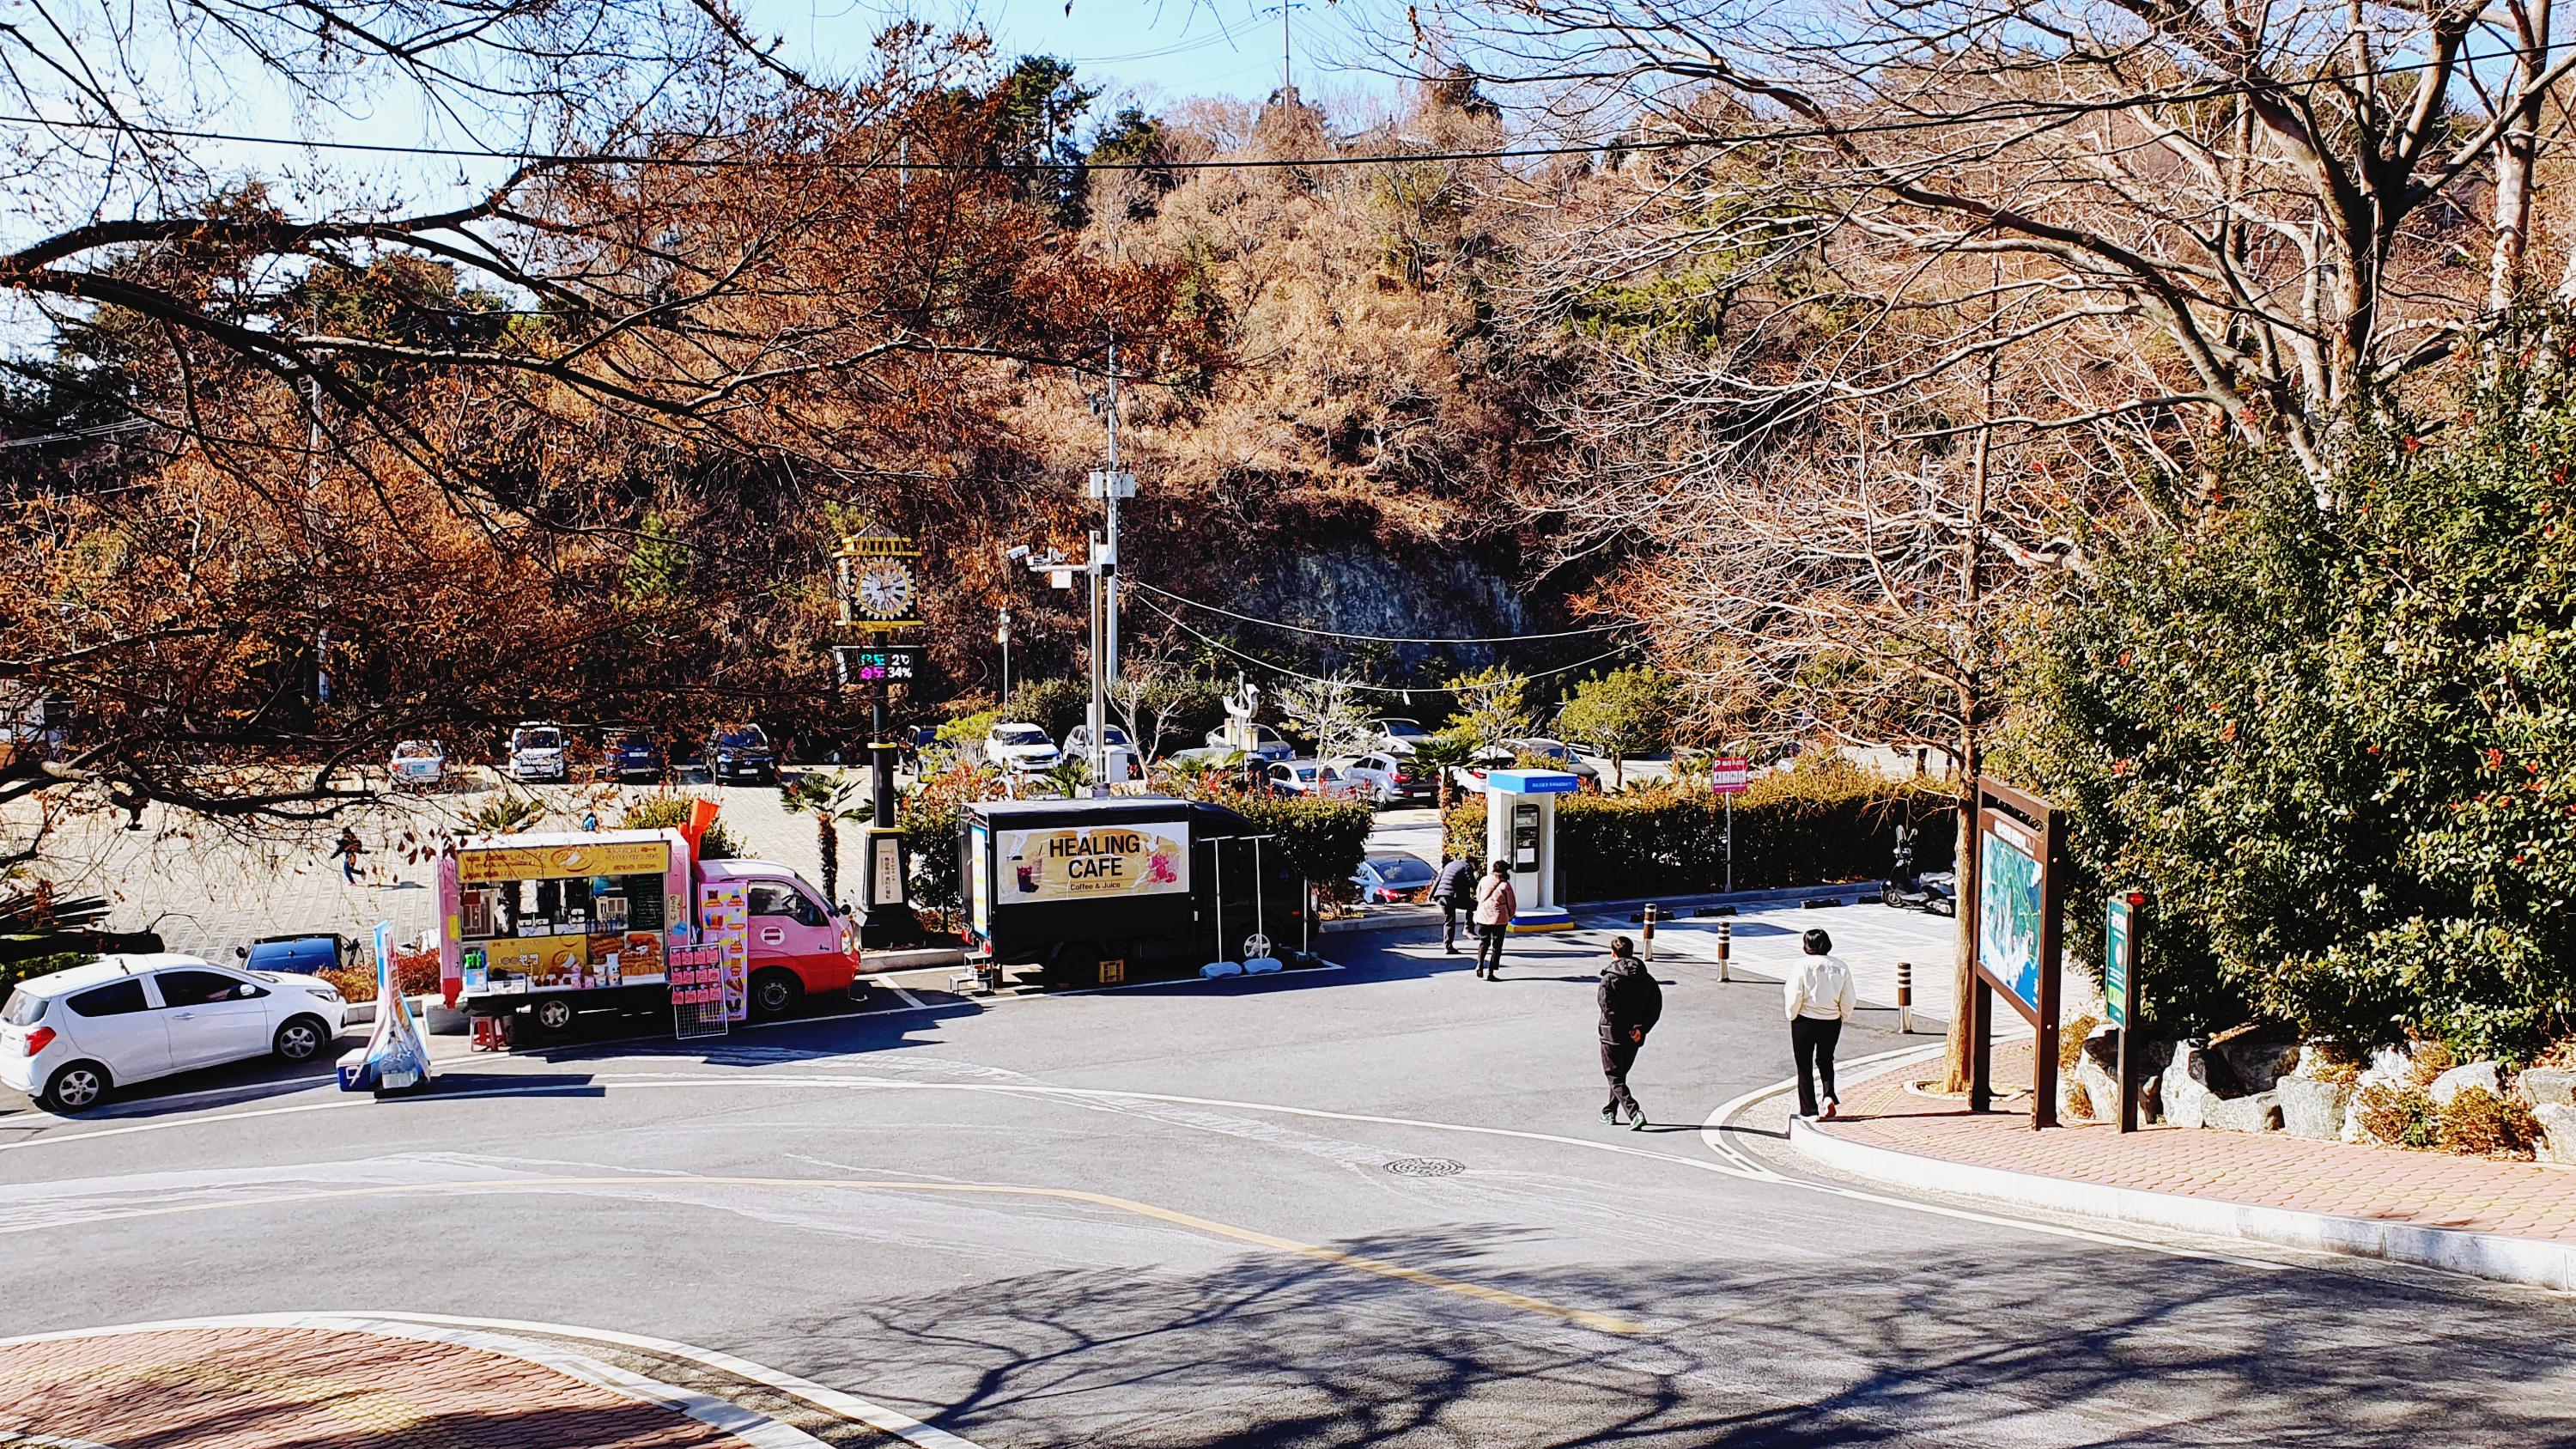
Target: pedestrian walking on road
1820, 999
349, 850
1496, 904
1631, 1003
1453, 892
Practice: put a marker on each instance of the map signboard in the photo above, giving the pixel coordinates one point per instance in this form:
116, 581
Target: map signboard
2011, 907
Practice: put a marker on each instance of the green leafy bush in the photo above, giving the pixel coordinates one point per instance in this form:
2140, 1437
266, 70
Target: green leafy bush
669, 810
13, 972
1825, 821
1053, 705
2478, 1123
2333, 728
1326, 839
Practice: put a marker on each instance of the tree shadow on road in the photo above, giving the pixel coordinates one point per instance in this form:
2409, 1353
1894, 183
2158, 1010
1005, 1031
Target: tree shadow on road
2026, 1343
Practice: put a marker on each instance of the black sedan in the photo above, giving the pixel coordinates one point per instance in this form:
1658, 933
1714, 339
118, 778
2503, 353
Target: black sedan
738, 753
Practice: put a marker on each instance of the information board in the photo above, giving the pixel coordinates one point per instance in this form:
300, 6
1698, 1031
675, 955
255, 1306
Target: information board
1727, 774
2118, 947
2010, 907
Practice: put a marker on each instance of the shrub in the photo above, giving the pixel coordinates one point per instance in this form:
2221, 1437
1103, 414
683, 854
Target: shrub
2079, 1102
2478, 1123
2431, 1059
1325, 839
1825, 821
2399, 1116
2070, 1041
13, 972
669, 810
415, 974
1053, 705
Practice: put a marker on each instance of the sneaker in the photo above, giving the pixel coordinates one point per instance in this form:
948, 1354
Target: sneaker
1830, 1107
1610, 1115
1637, 1120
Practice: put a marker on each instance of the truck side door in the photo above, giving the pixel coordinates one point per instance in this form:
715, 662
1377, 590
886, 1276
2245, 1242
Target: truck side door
792, 929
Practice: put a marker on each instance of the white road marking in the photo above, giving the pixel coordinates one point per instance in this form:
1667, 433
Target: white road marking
1735, 1164
1712, 1131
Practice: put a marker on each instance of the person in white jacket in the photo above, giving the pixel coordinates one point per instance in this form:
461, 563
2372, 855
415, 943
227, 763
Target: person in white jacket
1820, 998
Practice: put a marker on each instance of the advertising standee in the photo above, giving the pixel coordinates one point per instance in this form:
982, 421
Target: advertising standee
724, 922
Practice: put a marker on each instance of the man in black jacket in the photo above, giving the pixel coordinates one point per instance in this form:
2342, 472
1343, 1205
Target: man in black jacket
1454, 891
1631, 1004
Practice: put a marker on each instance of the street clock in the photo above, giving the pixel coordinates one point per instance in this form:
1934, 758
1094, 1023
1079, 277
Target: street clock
885, 589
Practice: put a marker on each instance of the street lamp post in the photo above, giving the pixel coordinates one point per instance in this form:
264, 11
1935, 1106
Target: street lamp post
1002, 636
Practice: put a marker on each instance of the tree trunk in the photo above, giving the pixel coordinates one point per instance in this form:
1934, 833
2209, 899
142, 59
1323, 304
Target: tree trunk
1963, 977
827, 846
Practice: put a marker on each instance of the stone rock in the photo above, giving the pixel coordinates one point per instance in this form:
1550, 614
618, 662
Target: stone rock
2257, 1065
2391, 1063
2557, 1132
2313, 1109
2185, 1086
2373, 1078
2258, 1113
2547, 1087
2458, 1079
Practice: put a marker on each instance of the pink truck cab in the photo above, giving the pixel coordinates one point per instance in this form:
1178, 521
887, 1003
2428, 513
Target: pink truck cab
559, 924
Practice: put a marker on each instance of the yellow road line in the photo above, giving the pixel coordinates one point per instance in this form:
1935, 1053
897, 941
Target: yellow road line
1584, 1316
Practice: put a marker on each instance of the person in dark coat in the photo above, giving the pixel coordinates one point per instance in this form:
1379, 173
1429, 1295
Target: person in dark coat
1453, 892
1631, 1003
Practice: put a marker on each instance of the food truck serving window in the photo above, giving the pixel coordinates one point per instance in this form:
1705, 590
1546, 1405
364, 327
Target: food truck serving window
563, 917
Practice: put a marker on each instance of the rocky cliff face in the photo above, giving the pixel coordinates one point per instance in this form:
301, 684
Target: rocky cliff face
1363, 589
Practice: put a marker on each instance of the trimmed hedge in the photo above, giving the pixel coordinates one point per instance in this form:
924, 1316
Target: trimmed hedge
1327, 839
1827, 821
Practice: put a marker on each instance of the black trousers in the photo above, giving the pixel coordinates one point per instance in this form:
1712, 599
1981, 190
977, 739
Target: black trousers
1449, 925
1616, 1058
1812, 1041
1489, 946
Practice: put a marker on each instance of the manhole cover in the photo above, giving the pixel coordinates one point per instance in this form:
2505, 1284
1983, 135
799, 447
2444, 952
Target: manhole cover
1424, 1167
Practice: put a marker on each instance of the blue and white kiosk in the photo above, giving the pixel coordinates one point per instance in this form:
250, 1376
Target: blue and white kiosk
1520, 827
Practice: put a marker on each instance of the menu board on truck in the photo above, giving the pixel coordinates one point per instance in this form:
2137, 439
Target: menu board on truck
724, 921
1067, 863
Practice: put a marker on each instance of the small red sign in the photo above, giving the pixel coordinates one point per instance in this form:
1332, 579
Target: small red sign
1727, 774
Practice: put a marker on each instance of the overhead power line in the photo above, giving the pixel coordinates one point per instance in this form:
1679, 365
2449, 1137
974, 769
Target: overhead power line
1373, 638
1405, 689
2001, 111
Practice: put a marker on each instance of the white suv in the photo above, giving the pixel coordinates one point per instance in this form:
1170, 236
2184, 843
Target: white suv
67, 1037
1014, 745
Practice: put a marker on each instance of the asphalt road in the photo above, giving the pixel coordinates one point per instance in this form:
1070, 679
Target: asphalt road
1167, 1215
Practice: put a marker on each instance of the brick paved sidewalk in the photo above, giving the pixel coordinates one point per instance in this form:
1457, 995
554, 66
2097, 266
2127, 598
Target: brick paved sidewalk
2422, 1189
209, 1388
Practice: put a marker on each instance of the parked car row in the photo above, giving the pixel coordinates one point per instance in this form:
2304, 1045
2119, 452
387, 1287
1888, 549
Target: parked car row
541, 752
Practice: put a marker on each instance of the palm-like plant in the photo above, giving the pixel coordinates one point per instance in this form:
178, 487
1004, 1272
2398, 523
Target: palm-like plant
512, 814
1444, 752
1070, 777
828, 796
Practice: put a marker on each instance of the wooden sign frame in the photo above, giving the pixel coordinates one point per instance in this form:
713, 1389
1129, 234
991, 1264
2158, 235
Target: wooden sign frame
2009, 811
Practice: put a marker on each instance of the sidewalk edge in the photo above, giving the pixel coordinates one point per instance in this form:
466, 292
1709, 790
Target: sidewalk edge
2533, 1262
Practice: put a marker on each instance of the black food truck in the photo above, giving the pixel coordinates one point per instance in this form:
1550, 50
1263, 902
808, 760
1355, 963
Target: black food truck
1103, 891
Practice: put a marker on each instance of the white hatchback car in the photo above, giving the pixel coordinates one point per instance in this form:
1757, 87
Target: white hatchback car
67, 1037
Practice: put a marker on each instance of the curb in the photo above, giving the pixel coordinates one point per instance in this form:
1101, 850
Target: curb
2534, 1262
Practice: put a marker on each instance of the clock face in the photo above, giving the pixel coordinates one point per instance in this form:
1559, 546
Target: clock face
885, 591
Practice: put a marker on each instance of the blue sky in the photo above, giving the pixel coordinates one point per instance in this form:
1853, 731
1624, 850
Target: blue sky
1170, 49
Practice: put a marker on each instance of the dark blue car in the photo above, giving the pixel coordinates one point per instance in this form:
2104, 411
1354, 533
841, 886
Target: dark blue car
635, 755
303, 955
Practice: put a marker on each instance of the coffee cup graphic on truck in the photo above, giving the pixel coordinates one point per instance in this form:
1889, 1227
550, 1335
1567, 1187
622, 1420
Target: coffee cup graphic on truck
1028, 871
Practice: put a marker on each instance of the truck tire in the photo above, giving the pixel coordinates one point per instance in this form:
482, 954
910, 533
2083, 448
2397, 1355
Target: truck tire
554, 1013
775, 992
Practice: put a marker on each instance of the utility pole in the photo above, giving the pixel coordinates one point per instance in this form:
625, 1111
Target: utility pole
1108, 485
1002, 636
